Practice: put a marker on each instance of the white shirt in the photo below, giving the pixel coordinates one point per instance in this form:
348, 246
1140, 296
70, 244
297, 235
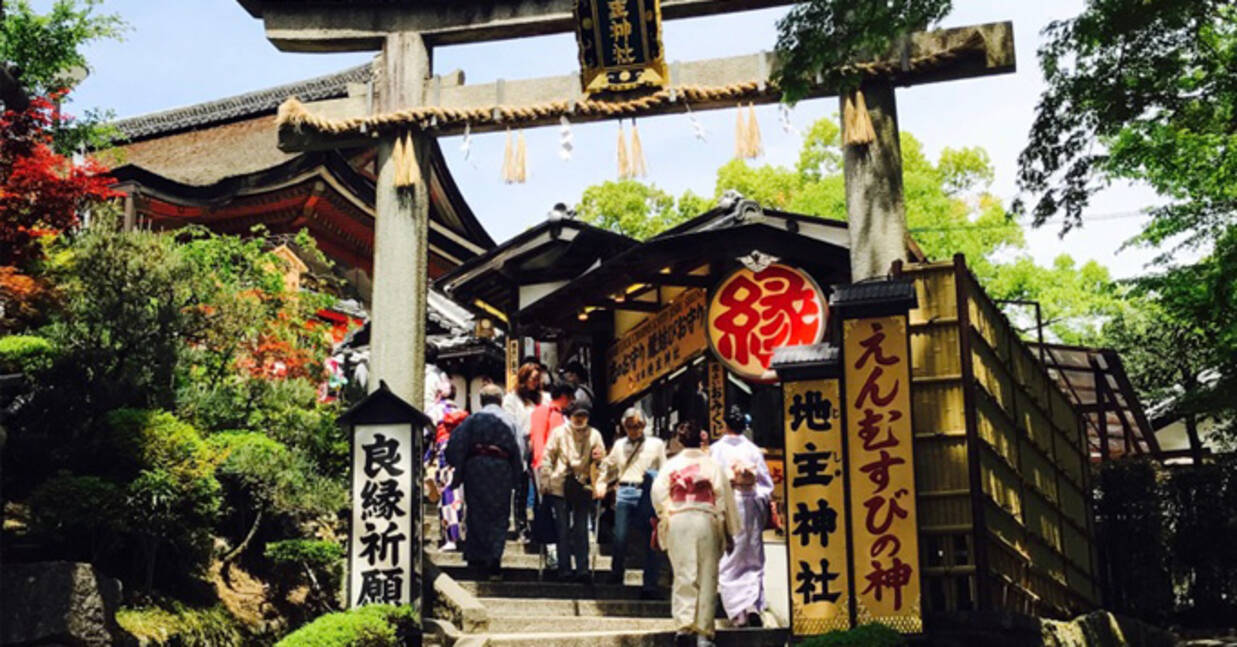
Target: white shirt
651, 456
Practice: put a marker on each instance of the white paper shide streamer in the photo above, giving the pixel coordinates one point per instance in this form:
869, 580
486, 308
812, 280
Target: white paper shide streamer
566, 141
783, 117
466, 145
697, 128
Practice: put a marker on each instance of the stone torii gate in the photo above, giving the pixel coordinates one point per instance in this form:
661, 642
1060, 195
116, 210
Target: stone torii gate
412, 106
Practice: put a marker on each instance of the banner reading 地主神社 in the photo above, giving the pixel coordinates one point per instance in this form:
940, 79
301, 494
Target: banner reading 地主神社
815, 507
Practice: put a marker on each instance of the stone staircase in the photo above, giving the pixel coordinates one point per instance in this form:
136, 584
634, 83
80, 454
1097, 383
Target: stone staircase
524, 611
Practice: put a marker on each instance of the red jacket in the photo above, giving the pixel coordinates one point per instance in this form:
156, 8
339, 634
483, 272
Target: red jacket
545, 418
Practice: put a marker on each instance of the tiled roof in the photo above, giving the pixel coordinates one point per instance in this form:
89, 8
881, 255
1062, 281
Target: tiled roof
894, 291
241, 106
808, 354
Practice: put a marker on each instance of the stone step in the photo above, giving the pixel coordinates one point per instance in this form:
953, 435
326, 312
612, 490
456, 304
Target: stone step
512, 547
511, 560
529, 577
511, 624
534, 590
646, 638
582, 608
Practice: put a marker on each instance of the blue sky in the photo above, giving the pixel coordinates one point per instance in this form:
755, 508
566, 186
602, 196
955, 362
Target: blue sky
186, 51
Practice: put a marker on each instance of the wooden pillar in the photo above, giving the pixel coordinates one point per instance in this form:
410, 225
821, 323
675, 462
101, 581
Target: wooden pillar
130, 222
401, 233
874, 206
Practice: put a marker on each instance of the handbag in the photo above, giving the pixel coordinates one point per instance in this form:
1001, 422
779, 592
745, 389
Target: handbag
575, 491
544, 531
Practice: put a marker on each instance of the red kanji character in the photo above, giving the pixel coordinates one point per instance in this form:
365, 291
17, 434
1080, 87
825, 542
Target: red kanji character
790, 310
895, 577
738, 323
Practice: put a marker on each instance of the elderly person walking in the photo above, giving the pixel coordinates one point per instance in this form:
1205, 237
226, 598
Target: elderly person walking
566, 481
487, 461
743, 569
696, 523
633, 463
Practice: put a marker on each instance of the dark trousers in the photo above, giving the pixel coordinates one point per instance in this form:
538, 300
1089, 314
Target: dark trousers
571, 521
629, 522
519, 503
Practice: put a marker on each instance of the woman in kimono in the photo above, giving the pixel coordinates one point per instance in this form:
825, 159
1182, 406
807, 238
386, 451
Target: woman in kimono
446, 416
743, 569
696, 523
450, 503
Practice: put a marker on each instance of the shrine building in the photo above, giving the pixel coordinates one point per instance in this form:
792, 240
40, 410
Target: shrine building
1003, 432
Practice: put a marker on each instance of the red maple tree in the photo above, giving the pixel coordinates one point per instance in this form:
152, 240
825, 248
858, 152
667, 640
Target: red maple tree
41, 191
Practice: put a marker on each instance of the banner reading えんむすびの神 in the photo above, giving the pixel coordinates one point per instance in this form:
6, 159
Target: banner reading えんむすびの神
877, 373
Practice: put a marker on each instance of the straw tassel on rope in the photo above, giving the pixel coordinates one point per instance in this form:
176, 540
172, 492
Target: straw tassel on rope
856, 122
521, 160
638, 166
404, 159
740, 134
508, 175
754, 145
624, 163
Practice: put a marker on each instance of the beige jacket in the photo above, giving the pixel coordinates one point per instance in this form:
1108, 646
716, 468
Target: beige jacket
568, 450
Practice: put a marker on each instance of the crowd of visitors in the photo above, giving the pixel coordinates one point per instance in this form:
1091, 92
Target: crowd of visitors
702, 505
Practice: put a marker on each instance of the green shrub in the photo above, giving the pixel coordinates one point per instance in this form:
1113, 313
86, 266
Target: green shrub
869, 635
151, 440
377, 625
84, 512
313, 553
176, 625
25, 353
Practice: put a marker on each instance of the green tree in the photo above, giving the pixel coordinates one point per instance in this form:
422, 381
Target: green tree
1179, 341
46, 50
818, 37
1145, 91
629, 207
264, 476
1139, 90
172, 495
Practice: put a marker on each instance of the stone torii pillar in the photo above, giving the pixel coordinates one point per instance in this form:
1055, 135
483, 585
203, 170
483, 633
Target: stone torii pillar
875, 211
401, 231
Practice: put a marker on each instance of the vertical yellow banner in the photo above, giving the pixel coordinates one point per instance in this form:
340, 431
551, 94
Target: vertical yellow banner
815, 508
717, 399
882, 472
513, 362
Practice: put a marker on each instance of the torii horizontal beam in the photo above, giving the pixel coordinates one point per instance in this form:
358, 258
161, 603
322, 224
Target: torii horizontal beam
317, 26
989, 51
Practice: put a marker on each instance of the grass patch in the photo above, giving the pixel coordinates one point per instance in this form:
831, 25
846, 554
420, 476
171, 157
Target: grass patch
176, 625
